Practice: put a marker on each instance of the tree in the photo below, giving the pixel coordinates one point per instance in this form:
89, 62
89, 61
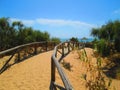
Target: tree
46, 36
17, 25
7, 33
110, 32
95, 32
28, 35
73, 39
55, 39
41, 36
15, 33
104, 32
117, 35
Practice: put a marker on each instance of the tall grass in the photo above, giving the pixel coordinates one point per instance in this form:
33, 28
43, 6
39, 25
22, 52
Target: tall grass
102, 47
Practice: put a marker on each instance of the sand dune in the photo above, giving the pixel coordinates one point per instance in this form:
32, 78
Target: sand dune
78, 68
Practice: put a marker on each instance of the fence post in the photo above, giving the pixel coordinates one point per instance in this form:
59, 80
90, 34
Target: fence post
68, 46
18, 56
54, 44
73, 46
52, 86
56, 54
46, 45
52, 70
62, 49
78, 45
35, 47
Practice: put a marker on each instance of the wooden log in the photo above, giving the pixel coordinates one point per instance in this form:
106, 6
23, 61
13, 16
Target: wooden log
35, 48
52, 70
68, 46
64, 78
73, 46
54, 44
62, 49
18, 56
4, 66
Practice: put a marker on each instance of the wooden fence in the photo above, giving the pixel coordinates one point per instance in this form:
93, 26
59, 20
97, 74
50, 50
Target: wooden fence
63, 49
20, 53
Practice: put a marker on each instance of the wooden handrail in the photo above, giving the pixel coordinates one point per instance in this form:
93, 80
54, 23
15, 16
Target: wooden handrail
55, 63
21, 46
45, 46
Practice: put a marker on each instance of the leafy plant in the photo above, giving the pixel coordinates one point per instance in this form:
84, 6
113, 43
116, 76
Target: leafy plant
73, 39
103, 48
15, 33
110, 32
82, 55
55, 39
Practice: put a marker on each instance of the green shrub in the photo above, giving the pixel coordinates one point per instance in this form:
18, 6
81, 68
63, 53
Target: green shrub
117, 44
55, 39
73, 39
103, 48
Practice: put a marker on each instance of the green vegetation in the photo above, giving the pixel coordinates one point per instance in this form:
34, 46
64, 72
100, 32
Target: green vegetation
93, 75
15, 33
108, 37
73, 39
103, 47
55, 39
107, 51
107, 44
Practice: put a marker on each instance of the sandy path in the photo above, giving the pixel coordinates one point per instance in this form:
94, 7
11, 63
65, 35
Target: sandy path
34, 73
76, 70
31, 74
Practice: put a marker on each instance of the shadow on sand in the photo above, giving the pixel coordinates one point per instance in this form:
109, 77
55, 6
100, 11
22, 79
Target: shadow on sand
112, 70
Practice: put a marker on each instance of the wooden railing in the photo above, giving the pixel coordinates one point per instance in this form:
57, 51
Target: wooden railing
62, 49
20, 53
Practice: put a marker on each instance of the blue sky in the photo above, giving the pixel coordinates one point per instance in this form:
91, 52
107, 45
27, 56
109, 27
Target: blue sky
62, 18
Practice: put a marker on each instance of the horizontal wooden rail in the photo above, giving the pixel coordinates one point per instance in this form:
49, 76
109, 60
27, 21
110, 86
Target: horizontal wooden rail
22, 52
63, 49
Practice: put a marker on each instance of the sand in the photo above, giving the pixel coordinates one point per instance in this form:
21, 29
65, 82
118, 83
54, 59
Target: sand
78, 69
34, 73
31, 74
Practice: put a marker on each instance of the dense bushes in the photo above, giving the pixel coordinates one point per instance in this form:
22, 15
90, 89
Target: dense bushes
103, 47
15, 33
73, 39
117, 44
55, 39
107, 35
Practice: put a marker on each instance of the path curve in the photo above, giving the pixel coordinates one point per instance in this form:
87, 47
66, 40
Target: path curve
31, 74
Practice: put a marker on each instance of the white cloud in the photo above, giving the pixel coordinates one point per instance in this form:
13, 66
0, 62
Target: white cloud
60, 22
117, 11
56, 23
58, 26
26, 22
